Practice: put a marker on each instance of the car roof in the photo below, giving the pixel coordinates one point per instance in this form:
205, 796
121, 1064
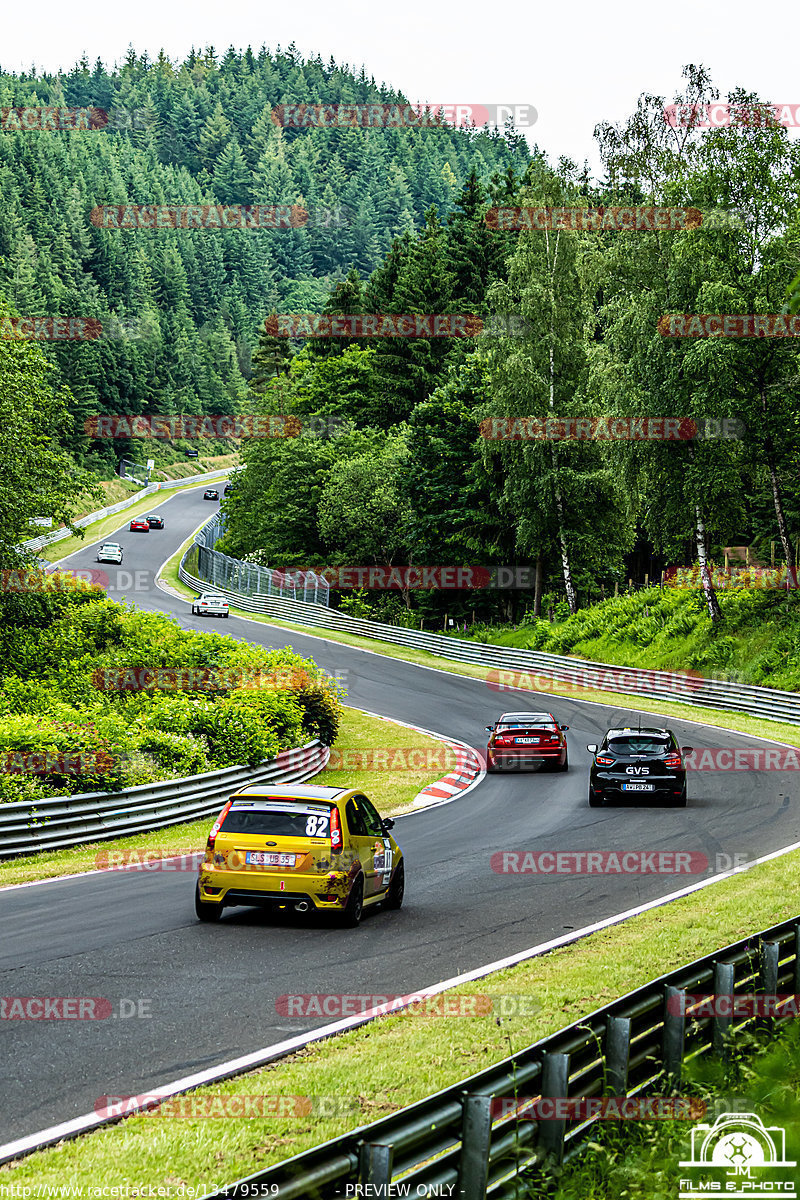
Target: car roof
301, 792
644, 729
526, 716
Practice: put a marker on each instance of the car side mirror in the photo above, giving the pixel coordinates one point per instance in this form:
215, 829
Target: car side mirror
387, 823
687, 749
488, 728
593, 749
563, 728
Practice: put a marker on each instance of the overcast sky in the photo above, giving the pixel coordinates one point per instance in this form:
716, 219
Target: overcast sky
578, 63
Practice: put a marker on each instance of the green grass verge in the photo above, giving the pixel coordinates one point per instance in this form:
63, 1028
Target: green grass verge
739, 722
392, 792
402, 1058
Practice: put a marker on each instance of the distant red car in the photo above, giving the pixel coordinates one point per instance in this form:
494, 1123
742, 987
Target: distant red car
140, 525
526, 739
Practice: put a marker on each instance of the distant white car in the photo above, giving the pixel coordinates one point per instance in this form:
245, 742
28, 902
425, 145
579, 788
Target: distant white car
110, 552
210, 604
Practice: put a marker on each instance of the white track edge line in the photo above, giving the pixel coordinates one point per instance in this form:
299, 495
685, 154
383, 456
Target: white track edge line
239, 1066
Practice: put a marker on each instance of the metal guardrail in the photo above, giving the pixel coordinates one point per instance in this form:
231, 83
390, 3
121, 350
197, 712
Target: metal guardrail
60, 821
58, 535
249, 580
458, 1143
531, 670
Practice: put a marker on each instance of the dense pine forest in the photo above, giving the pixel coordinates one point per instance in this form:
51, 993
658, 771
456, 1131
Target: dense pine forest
181, 314
399, 467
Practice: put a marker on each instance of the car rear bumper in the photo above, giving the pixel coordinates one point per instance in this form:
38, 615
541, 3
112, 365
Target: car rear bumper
257, 889
664, 788
517, 759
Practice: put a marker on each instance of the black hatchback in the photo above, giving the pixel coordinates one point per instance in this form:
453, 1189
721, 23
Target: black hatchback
642, 764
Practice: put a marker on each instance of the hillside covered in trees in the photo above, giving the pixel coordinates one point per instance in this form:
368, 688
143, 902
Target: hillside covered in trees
181, 310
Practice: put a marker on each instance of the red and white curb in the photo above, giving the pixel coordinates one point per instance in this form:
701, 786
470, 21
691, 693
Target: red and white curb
468, 771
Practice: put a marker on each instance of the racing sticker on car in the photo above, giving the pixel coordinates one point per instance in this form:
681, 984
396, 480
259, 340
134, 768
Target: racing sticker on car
382, 860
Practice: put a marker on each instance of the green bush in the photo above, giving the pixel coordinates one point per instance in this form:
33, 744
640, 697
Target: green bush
180, 754
72, 728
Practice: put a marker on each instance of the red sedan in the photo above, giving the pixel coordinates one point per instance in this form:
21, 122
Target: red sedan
140, 525
526, 739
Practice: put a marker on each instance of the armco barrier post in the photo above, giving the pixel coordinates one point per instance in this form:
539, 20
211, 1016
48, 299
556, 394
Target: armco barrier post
555, 1079
375, 1169
674, 1036
476, 1136
721, 1023
618, 1052
768, 971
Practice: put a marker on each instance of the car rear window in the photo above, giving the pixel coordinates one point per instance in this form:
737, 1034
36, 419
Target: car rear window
539, 723
640, 745
280, 820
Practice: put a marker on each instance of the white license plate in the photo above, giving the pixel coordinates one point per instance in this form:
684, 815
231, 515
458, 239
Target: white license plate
260, 858
527, 741
638, 787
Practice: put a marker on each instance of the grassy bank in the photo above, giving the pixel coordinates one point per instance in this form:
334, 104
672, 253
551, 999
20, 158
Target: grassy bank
402, 1058
757, 640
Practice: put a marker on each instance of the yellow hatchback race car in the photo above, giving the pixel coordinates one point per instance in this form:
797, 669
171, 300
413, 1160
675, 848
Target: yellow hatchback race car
308, 848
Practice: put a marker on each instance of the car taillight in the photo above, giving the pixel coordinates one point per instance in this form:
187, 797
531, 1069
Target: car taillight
337, 841
673, 762
218, 825
603, 761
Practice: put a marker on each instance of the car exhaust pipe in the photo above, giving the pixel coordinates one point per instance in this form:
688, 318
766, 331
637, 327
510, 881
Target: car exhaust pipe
302, 906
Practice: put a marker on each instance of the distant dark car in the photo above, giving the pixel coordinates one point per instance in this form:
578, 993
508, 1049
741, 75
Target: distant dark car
211, 494
140, 525
526, 739
638, 762
226, 491
155, 521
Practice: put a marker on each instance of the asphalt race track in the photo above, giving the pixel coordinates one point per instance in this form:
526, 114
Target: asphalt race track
210, 990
